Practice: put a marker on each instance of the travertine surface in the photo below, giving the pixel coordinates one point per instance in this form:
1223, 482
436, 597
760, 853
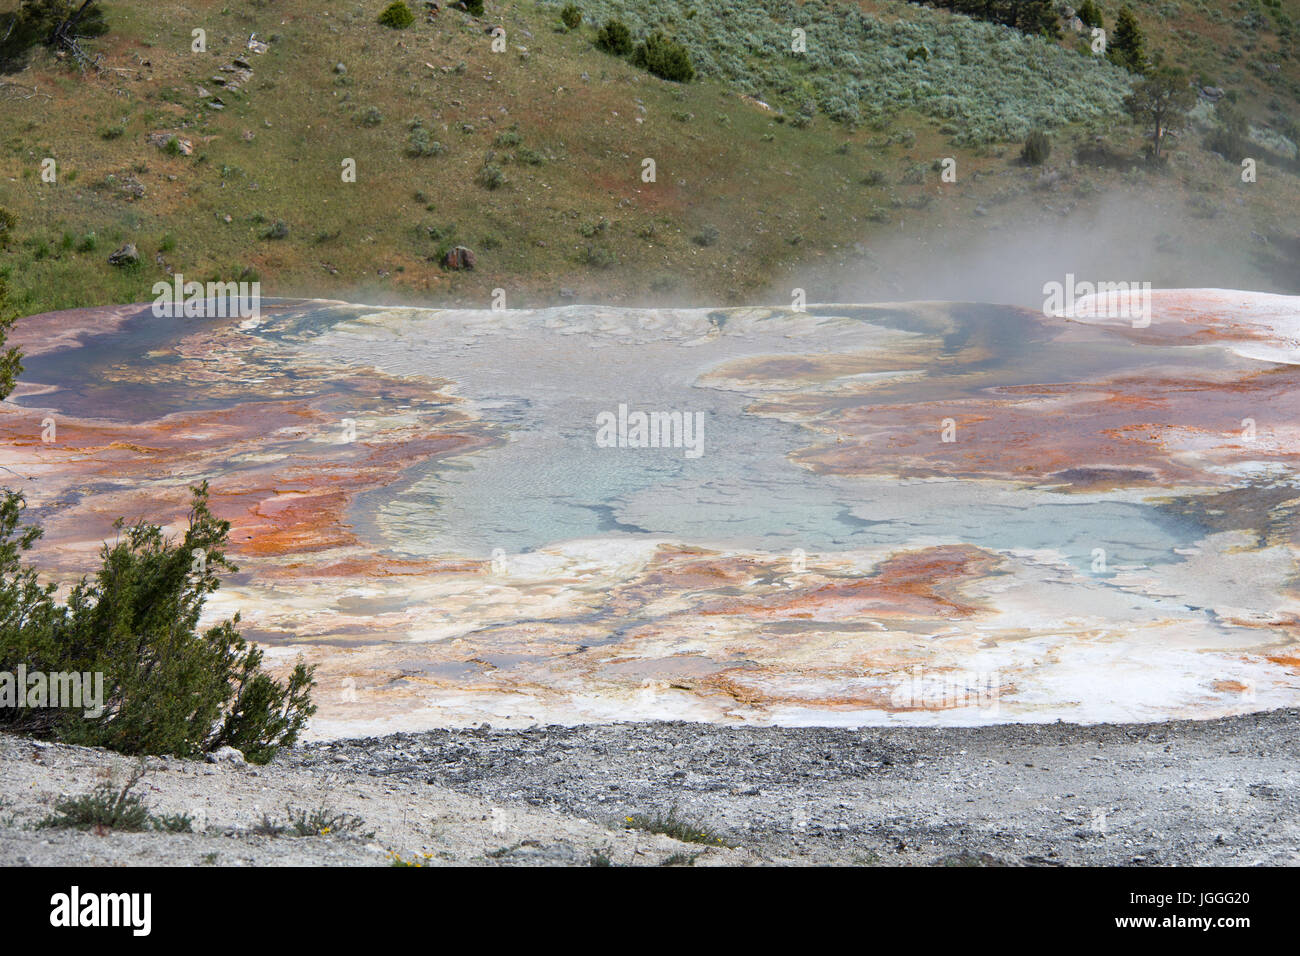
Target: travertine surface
421, 507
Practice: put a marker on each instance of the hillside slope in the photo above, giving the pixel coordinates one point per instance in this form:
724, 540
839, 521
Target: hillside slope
772, 169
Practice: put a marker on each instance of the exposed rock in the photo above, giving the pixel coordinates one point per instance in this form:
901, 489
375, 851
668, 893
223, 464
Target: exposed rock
458, 257
226, 755
340, 69
162, 138
127, 255
1212, 93
239, 73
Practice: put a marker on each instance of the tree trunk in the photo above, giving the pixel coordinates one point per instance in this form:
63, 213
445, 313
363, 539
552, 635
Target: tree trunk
64, 33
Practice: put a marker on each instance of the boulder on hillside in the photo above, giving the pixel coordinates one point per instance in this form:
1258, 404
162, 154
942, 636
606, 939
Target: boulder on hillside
163, 139
128, 255
458, 257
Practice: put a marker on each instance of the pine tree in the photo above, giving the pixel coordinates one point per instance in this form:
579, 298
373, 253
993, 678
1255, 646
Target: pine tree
1160, 101
1127, 47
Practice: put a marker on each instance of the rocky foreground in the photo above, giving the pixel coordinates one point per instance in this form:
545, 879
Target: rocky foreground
1213, 792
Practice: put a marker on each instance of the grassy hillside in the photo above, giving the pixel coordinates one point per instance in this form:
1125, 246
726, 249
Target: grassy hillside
771, 166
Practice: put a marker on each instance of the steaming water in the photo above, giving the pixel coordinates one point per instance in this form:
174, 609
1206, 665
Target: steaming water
545, 376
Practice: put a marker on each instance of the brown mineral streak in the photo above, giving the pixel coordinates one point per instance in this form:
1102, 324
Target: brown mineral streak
911, 584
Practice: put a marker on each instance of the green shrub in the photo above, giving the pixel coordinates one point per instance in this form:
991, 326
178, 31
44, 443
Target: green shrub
105, 807
473, 7
111, 809
670, 824
708, 236
269, 826
665, 58
174, 823
309, 823
324, 822
420, 144
491, 176
597, 257
1036, 149
7, 223
614, 37
397, 15
529, 156
168, 688
571, 16
1229, 138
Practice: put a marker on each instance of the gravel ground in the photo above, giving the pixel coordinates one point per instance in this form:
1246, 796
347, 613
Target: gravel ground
1185, 792
407, 819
